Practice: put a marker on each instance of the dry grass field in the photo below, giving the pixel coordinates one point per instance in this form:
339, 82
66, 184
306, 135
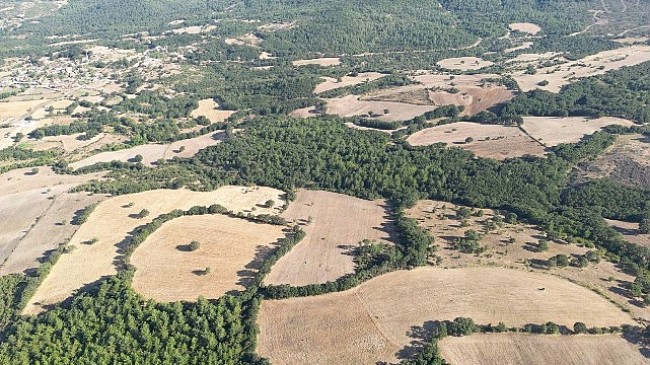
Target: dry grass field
627, 161
464, 63
111, 223
338, 224
552, 131
372, 322
529, 28
325, 62
567, 72
194, 29
515, 349
493, 141
351, 105
210, 109
233, 248
330, 83
153, 152
630, 232
514, 246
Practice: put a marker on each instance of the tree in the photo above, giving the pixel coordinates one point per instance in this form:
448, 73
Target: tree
269, 203
469, 140
138, 158
143, 213
644, 226
542, 245
194, 245
579, 328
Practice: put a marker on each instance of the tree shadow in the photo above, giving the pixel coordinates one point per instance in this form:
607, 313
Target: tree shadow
184, 248
635, 336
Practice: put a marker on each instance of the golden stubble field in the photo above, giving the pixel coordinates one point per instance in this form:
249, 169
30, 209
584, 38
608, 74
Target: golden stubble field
338, 223
552, 131
233, 249
515, 349
111, 224
493, 141
373, 322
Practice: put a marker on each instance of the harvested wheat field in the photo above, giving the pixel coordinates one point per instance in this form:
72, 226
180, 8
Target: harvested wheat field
529, 28
338, 223
372, 322
515, 349
630, 232
113, 220
464, 63
552, 131
493, 141
514, 245
627, 161
351, 105
567, 72
153, 152
233, 248
330, 83
10, 110
324, 62
210, 109
195, 29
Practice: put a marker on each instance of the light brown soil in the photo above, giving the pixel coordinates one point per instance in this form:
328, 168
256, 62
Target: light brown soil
504, 142
330, 83
111, 223
464, 63
598, 64
153, 152
232, 248
627, 161
512, 349
529, 28
339, 223
210, 109
195, 29
552, 131
630, 231
603, 277
318, 61
372, 322
350, 106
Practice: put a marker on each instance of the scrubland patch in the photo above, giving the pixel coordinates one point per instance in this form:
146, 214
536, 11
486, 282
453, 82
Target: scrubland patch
111, 223
630, 232
372, 322
338, 223
552, 131
492, 141
166, 270
511, 349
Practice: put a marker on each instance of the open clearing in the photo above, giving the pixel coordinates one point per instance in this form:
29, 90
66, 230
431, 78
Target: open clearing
630, 231
515, 349
233, 248
552, 131
338, 224
529, 28
464, 63
515, 246
319, 62
372, 322
195, 29
350, 106
111, 224
330, 83
492, 141
32, 209
627, 161
153, 152
569, 71
210, 109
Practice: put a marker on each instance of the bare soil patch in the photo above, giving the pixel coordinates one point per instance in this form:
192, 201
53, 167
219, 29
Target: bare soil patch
511, 349
210, 109
331, 83
552, 131
372, 322
233, 249
630, 232
195, 29
464, 63
529, 28
332, 61
351, 105
151, 153
111, 224
493, 141
338, 223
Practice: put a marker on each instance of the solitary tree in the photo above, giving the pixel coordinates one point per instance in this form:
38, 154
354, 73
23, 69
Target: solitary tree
542, 245
143, 213
269, 203
194, 245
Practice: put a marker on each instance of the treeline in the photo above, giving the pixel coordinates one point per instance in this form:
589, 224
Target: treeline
621, 93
